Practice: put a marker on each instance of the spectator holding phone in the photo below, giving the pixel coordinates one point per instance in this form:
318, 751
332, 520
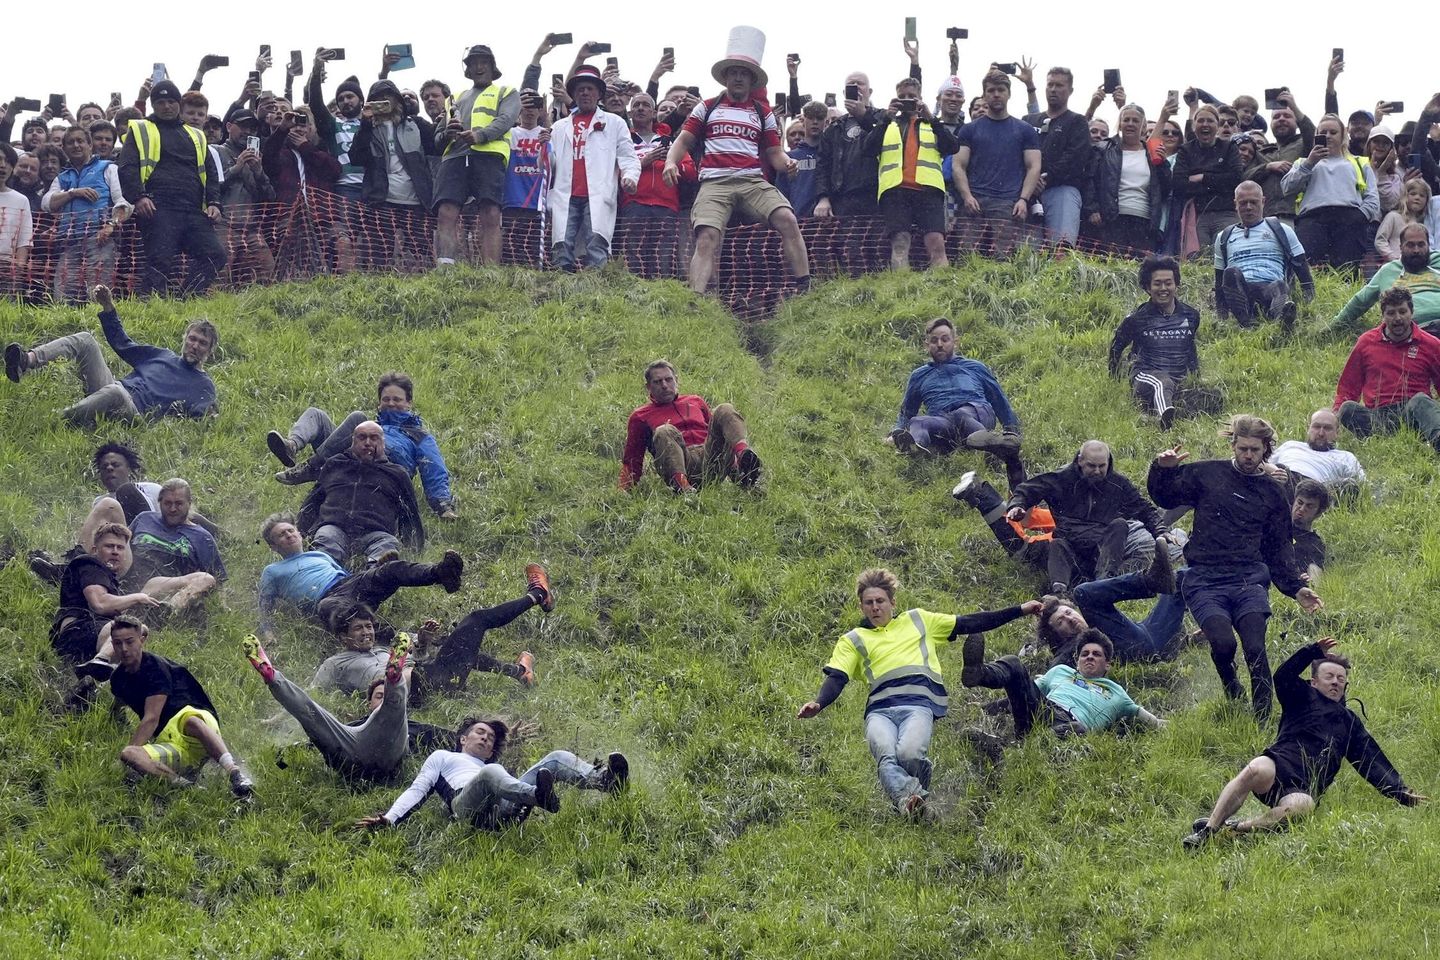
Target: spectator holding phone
1338, 200
1294, 135
91, 206
526, 177
476, 153
1389, 173
800, 188
246, 186
394, 150
295, 161
591, 155
846, 180
910, 145
1129, 185
337, 130
170, 176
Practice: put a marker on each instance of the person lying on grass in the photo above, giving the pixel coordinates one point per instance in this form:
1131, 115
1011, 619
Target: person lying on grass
898, 657
178, 729
478, 790
1318, 732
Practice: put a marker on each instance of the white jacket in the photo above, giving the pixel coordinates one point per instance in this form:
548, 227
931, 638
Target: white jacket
609, 156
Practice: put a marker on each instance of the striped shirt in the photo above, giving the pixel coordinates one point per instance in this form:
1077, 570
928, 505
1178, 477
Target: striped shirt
734, 136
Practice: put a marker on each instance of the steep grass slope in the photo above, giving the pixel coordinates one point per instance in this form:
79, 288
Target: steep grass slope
687, 634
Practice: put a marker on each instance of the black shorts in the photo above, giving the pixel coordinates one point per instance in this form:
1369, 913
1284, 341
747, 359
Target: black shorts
471, 174
1291, 776
76, 643
913, 211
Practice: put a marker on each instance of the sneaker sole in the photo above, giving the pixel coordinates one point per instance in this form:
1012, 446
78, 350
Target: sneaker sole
279, 448
14, 361
749, 469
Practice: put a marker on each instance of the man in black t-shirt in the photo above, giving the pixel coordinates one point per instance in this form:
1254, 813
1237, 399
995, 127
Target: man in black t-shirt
1312, 498
178, 730
90, 597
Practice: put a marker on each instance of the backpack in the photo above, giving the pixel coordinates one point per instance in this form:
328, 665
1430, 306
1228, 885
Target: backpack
1276, 230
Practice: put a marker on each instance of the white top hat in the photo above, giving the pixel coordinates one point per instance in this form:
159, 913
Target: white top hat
745, 48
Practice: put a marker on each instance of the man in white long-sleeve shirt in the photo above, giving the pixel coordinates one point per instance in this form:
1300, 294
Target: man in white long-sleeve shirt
1318, 458
478, 789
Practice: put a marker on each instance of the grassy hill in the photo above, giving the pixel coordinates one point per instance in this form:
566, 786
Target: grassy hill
687, 634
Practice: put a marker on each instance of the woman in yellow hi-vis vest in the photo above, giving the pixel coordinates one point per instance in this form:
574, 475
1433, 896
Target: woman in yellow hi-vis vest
168, 174
899, 658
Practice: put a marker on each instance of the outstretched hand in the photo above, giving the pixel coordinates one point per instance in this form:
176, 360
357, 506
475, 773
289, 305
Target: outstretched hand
371, 823
1326, 644
1172, 457
1412, 799
808, 710
1309, 600
101, 295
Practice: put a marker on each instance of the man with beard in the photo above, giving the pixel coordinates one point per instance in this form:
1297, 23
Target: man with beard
1294, 138
1241, 543
1392, 375
963, 404
1417, 271
162, 383
337, 133
1104, 526
1317, 457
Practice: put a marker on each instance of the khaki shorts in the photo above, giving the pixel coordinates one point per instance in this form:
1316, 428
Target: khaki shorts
177, 751
753, 196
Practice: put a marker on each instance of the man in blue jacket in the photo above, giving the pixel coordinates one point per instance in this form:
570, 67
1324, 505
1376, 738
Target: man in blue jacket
963, 403
407, 442
162, 382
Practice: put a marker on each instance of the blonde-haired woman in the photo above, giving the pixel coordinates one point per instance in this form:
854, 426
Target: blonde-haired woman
1337, 201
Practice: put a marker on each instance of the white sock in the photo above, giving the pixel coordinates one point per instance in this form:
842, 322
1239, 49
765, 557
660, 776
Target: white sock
227, 761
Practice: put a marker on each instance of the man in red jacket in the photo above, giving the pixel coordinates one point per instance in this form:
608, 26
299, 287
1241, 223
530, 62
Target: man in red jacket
689, 444
1393, 375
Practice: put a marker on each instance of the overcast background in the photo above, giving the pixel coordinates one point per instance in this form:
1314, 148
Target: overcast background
1230, 48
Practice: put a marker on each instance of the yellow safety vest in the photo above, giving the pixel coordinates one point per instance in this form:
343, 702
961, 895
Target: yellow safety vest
1360, 164
927, 163
147, 145
483, 110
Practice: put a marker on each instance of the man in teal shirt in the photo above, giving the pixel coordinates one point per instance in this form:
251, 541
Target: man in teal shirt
1418, 270
1070, 700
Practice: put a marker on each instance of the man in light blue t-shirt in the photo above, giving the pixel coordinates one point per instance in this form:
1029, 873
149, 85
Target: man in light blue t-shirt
1070, 700
1254, 260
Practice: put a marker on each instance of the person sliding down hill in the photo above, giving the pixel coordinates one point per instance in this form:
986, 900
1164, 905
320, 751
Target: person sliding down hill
963, 403
689, 444
1317, 733
478, 790
897, 656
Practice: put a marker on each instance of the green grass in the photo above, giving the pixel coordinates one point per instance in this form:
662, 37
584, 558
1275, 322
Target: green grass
688, 633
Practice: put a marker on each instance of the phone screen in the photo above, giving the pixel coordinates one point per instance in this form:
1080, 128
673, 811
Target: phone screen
910, 29
264, 49
158, 74
852, 91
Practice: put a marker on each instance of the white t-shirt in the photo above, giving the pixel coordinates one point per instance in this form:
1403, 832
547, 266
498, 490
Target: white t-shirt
402, 190
1134, 183
17, 226
1330, 467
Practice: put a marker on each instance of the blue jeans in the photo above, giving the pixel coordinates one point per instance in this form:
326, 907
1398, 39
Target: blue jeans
1062, 213
1133, 641
580, 236
899, 739
494, 797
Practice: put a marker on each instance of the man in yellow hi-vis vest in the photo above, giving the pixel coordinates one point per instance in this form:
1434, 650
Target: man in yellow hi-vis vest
476, 154
169, 175
911, 144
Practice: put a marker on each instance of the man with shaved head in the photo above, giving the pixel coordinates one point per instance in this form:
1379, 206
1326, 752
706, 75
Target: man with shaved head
362, 503
1317, 457
1104, 526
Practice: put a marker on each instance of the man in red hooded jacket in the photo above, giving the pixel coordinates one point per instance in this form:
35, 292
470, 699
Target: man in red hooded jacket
689, 444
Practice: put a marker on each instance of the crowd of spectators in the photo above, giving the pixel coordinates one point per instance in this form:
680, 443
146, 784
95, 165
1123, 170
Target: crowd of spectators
594, 165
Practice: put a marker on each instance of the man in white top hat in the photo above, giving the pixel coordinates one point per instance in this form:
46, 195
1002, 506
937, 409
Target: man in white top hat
736, 129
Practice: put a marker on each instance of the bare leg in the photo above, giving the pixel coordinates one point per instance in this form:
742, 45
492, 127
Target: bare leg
1257, 777
137, 759
702, 264
1291, 806
182, 592
108, 510
447, 231
900, 251
490, 237
197, 729
792, 244
935, 249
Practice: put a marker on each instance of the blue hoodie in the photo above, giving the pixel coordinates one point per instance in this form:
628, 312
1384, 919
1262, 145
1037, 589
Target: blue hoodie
410, 445
941, 387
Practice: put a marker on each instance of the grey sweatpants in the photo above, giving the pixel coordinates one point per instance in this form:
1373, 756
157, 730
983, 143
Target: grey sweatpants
103, 393
376, 746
